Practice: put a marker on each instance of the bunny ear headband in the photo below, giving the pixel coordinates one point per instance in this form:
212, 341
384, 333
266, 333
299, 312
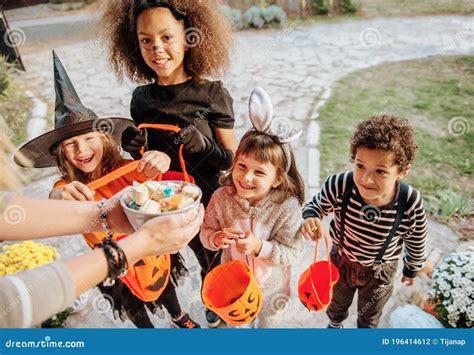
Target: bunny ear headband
261, 115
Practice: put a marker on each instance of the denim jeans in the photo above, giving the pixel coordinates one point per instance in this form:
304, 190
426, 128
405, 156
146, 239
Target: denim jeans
373, 292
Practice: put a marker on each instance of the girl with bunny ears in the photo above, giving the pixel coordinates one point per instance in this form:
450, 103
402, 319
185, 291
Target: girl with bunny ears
256, 215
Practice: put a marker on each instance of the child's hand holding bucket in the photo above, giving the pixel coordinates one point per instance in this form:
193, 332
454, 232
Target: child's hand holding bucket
226, 237
312, 229
75, 190
154, 163
249, 244
407, 280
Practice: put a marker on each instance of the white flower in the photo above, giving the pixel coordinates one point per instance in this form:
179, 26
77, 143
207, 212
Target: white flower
465, 282
451, 308
453, 287
470, 309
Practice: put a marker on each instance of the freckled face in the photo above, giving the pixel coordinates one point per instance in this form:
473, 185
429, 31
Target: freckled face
162, 44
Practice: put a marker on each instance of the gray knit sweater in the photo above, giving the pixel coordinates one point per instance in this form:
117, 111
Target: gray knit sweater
275, 224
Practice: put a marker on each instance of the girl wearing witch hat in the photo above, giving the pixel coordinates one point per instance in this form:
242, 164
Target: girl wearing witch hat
84, 148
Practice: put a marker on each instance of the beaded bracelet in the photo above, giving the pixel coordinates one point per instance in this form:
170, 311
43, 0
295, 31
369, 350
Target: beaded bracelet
103, 217
112, 275
118, 265
122, 266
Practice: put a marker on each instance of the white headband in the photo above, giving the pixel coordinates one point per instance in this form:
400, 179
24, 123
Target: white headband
261, 116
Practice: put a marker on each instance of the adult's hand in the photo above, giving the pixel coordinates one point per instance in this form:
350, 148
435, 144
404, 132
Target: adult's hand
116, 217
169, 234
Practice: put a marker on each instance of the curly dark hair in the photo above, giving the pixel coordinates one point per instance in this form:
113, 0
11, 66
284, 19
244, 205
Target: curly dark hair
210, 58
387, 133
266, 149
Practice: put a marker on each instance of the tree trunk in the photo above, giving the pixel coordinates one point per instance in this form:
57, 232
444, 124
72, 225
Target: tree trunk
334, 7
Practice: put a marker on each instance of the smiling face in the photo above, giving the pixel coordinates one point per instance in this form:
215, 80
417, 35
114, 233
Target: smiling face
253, 179
376, 175
162, 44
85, 152
246, 309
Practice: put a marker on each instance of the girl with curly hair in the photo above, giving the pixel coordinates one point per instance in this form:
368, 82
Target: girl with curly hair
172, 46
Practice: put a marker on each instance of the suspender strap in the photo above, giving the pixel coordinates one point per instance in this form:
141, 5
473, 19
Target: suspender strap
402, 203
345, 203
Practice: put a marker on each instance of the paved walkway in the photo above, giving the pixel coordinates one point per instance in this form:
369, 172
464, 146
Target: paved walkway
297, 66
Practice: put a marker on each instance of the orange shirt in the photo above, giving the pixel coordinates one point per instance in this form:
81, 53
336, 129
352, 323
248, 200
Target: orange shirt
105, 192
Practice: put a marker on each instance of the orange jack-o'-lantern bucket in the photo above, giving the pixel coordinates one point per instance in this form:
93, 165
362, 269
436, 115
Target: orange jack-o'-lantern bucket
232, 292
148, 277
316, 283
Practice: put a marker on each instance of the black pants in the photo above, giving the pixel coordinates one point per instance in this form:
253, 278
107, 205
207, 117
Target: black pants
373, 293
124, 301
139, 317
168, 298
125, 304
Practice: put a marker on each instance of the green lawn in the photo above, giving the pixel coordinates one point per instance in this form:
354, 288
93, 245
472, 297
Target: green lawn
437, 96
391, 8
377, 8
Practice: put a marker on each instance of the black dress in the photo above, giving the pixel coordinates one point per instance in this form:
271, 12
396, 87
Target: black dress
204, 104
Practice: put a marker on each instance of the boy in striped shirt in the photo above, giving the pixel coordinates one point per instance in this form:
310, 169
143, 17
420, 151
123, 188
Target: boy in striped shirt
376, 216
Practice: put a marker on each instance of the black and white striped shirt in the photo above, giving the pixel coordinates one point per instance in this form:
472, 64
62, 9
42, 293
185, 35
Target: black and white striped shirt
367, 227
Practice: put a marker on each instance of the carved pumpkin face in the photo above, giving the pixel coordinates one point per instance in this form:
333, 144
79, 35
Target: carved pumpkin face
231, 291
149, 276
245, 309
314, 286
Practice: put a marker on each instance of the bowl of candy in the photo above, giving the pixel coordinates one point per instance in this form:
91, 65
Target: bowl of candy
142, 202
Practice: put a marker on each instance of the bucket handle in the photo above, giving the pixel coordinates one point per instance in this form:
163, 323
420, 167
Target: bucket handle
252, 228
330, 273
128, 168
176, 129
218, 254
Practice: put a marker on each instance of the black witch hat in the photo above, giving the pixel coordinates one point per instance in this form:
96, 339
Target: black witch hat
71, 119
